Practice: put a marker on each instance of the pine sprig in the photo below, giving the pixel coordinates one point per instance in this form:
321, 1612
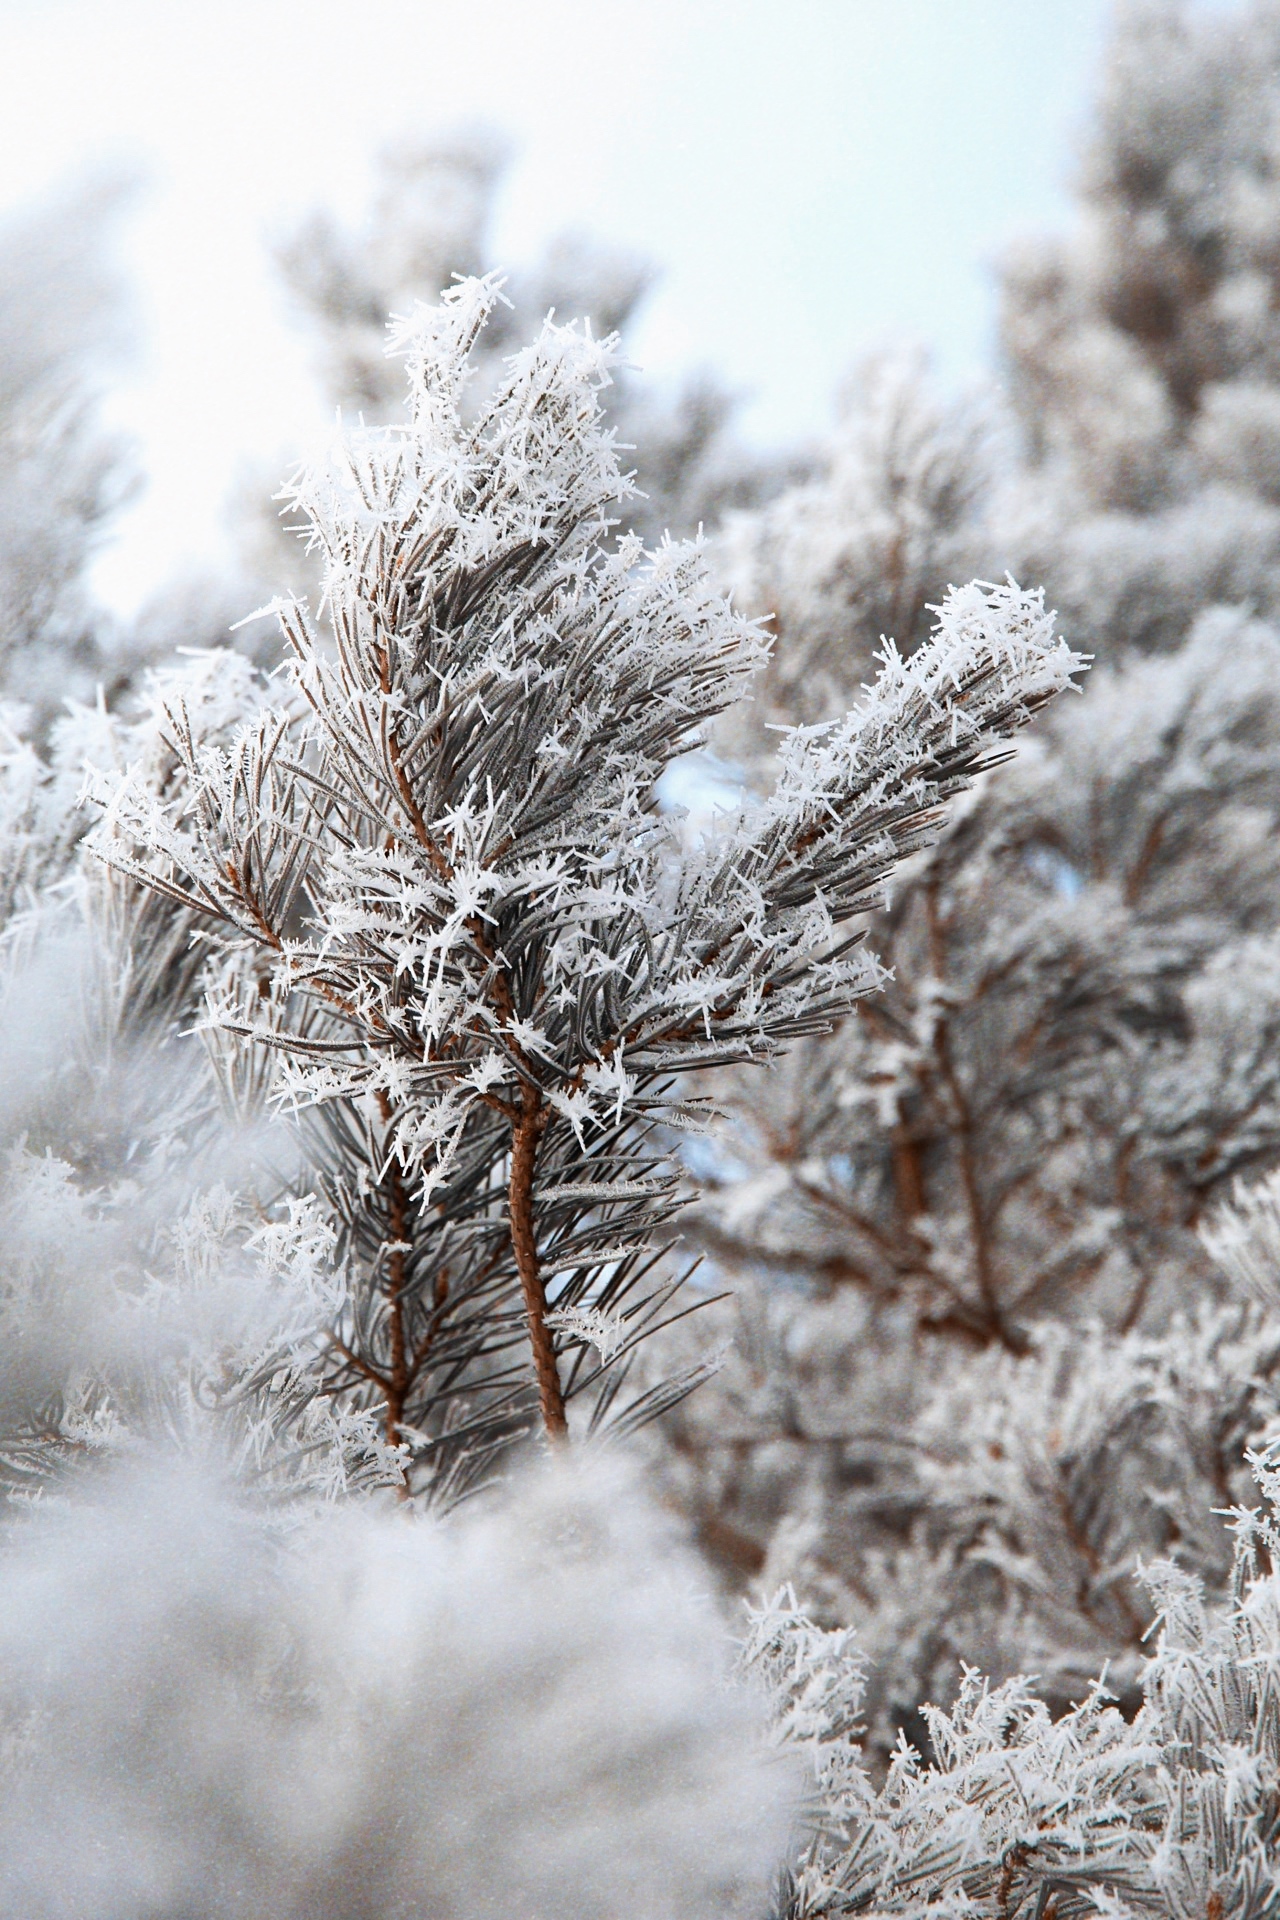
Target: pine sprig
494, 962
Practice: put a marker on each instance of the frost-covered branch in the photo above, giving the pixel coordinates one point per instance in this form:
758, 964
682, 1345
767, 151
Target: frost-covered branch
1017, 1812
487, 941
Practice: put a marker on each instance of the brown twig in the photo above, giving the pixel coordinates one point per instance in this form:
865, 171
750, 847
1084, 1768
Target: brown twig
524, 1149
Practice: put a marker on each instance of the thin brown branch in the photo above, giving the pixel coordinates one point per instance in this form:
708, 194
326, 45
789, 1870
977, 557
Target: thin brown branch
979, 1236
524, 1149
1136, 878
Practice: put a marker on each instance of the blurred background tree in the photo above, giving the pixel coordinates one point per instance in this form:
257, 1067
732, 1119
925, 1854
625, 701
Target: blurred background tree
982, 1362
64, 328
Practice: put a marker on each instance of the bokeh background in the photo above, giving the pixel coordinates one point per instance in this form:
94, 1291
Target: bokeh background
809, 182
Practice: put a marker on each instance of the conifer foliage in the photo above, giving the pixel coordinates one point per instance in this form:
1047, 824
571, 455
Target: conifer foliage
378, 1045
428, 224
481, 951
984, 1366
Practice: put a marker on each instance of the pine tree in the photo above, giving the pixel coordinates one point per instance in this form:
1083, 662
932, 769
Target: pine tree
430, 903
1074, 1059
361, 1063
483, 956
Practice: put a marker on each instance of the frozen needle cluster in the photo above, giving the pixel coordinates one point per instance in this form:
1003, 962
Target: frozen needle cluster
455, 911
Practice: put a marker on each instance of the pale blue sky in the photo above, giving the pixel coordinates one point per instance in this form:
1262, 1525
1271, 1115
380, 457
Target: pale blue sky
815, 178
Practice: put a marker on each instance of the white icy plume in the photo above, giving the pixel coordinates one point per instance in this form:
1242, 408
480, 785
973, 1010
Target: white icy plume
152, 1262
523, 1710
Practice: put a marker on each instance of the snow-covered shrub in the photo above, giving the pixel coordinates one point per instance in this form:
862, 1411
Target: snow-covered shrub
1074, 1060
206, 1706
1077, 1050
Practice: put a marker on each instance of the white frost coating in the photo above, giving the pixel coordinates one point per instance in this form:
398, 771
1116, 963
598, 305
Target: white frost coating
1170, 1813
1076, 1059
1244, 1238
448, 855
524, 1711
601, 668
606, 1332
